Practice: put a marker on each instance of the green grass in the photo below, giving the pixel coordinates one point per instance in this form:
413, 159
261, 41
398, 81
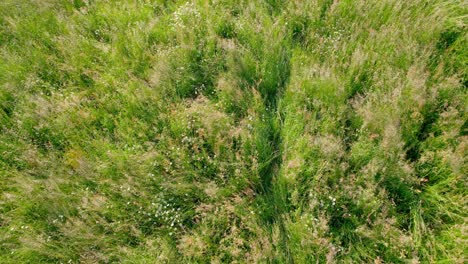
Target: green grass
233, 131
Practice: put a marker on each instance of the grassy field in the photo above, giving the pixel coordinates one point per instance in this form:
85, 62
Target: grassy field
234, 131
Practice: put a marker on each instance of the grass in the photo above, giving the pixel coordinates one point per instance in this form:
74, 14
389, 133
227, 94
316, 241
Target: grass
233, 131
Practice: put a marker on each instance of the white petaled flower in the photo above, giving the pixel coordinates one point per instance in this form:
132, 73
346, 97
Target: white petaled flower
185, 14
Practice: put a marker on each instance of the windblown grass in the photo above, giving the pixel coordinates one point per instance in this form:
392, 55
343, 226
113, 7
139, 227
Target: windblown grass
233, 131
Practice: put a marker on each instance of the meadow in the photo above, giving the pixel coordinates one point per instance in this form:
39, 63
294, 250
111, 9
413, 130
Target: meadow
233, 131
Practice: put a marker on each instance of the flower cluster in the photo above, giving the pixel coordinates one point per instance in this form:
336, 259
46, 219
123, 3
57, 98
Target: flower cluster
168, 214
185, 15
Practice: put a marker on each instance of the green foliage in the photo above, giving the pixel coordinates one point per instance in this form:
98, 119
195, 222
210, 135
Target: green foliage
233, 131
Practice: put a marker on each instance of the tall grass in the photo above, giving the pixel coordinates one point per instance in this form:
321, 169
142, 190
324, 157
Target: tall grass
233, 131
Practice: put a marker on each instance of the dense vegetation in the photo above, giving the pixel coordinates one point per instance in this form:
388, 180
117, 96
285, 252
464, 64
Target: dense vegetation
234, 131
